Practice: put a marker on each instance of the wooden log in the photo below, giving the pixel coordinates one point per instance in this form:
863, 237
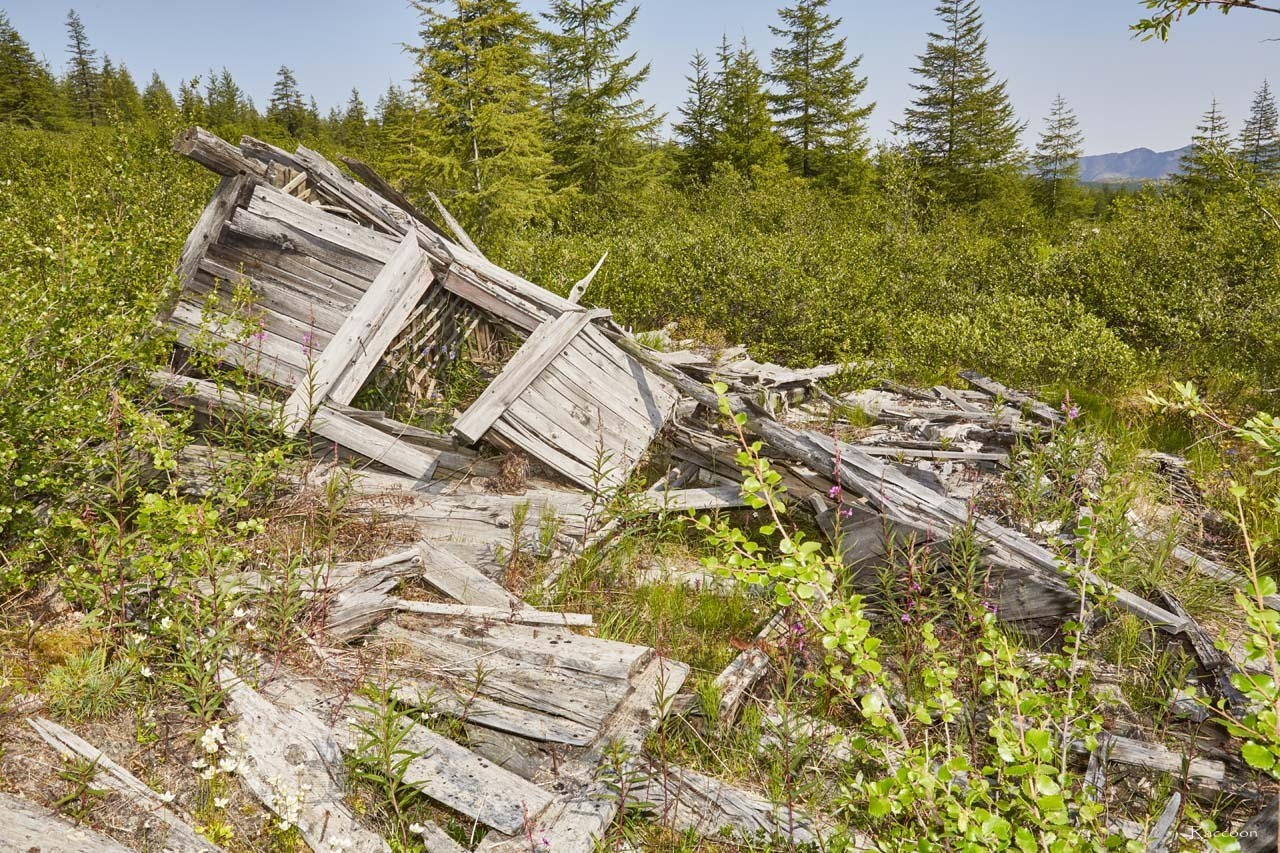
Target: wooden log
206, 232
533, 357
290, 760
456, 227
990, 387
892, 452
751, 664
1159, 839
521, 616
216, 154
376, 183
177, 835
28, 828
1217, 664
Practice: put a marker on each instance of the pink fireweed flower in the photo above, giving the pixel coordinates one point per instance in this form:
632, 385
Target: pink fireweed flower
833, 492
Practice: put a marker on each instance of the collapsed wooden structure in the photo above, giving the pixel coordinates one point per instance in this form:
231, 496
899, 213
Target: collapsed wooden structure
312, 285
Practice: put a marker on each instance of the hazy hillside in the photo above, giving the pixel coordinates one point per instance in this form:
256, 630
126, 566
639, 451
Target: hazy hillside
1140, 164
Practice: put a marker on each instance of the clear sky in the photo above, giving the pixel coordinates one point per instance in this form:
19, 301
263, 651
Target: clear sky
1127, 93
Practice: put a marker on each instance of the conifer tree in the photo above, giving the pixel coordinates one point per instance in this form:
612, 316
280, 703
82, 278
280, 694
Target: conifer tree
353, 122
1259, 143
698, 129
1057, 158
227, 107
816, 108
191, 102
157, 100
83, 80
1202, 167
287, 109
28, 95
961, 125
600, 125
120, 98
746, 136
485, 137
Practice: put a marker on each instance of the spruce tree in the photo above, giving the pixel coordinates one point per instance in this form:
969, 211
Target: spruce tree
353, 122
1057, 158
961, 125
227, 107
1259, 143
157, 100
120, 98
83, 80
191, 102
600, 125
287, 109
1203, 166
816, 107
746, 137
484, 140
698, 129
28, 95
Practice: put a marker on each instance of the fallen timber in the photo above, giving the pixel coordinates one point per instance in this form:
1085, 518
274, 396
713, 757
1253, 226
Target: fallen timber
350, 282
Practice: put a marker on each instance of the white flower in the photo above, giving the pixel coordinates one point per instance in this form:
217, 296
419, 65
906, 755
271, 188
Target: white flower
221, 802
208, 773
212, 739
146, 671
166, 797
199, 764
165, 623
228, 765
239, 613
417, 828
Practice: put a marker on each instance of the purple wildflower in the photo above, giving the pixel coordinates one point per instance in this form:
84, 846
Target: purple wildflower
906, 618
833, 492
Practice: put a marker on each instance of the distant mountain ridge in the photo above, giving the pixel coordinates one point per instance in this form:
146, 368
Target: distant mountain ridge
1129, 167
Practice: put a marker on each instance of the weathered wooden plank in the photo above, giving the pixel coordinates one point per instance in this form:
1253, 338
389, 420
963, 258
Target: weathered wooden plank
736, 680
542, 347
207, 230
461, 582
580, 289
892, 452
521, 616
28, 828
376, 183
1261, 833
277, 205
456, 227
357, 346
461, 704
1041, 410
290, 760
178, 836
520, 312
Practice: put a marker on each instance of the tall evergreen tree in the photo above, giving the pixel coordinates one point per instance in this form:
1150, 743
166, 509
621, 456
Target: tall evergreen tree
698, 130
1202, 167
1057, 158
28, 95
746, 136
83, 79
353, 122
485, 140
287, 109
600, 125
1259, 143
227, 107
191, 102
157, 100
961, 125
816, 107
120, 98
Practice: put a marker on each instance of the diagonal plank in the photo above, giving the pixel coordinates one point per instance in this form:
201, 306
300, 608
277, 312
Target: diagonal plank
541, 348
357, 346
25, 826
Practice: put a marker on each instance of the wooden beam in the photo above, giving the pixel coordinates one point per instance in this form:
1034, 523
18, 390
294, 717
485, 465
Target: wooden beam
216, 154
991, 388
25, 826
580, 289
456, 227
533, 357
206, 232
359, 343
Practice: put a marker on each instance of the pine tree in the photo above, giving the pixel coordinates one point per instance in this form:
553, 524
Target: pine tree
600, 126
746, 137
287, 109
485, 139
227, 107
1259, 143
120, 98
961, 125
1202, 167
1057, 158
157, 100
28, 95
83, 79
699, 129
816, 108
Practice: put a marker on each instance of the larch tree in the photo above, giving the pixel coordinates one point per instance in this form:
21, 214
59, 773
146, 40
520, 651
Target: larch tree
1057, 158
83, 78
698, 128
1259, 143
287, 109
1202, 168
746, 137
601, 128
157, 100
28, 95
816, 104
961, 125
485, 133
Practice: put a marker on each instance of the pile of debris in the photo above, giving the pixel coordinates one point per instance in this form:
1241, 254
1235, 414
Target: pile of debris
349, 283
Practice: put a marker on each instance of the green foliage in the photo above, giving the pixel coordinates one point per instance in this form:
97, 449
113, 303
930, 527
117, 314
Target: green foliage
1201, 169
88, 686
1057, 161
28, 94
1259, 143
84, 80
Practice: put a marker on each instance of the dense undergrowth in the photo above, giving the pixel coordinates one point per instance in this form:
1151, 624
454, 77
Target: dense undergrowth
1158, 286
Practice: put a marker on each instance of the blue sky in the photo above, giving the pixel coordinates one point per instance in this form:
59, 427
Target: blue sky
1127, 93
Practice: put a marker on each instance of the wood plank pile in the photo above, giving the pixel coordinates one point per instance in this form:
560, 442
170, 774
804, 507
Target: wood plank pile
312, 285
